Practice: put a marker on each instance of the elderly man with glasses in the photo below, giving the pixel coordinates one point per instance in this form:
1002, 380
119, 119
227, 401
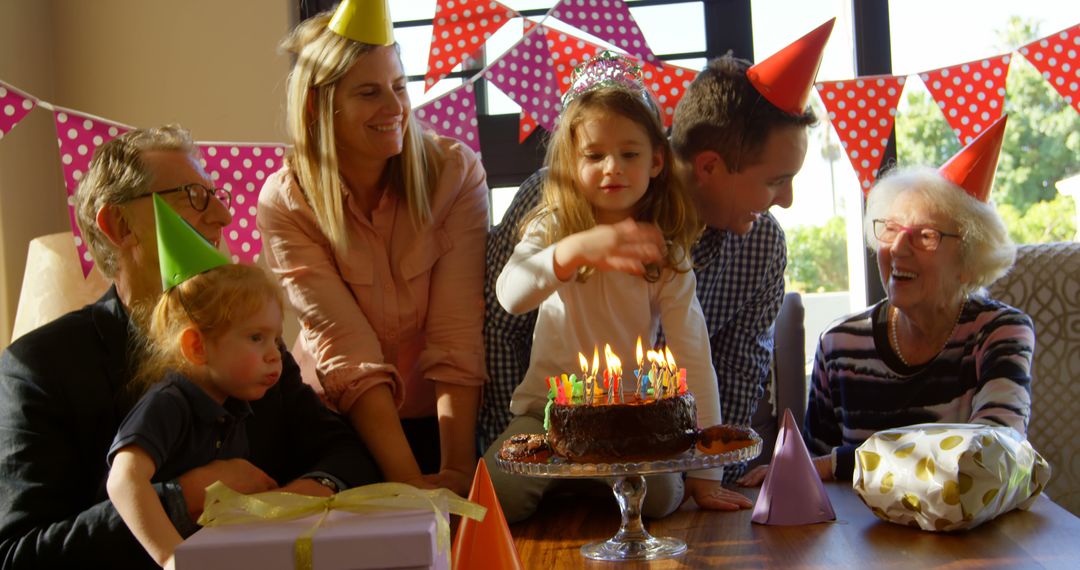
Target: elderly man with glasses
64, 388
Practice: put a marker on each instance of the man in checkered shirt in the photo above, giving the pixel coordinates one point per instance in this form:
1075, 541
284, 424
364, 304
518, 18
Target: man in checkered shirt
739, 152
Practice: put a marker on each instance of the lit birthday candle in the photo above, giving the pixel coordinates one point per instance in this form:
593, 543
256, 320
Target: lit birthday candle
637, 373
608, 372
585, 376
595, 366
616, 372
671, 369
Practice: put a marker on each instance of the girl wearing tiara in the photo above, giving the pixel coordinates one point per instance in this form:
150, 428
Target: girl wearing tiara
605, 259
213, 346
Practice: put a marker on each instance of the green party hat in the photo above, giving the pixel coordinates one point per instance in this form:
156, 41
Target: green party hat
182, 251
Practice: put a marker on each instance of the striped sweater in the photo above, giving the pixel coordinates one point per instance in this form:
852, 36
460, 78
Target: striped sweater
860, 386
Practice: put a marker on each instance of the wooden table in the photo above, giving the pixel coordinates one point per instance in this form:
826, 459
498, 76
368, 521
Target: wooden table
1047, 536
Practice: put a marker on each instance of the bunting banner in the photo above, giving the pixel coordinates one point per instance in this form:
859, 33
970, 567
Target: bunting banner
526, 126
14, 105
453, 115
862, 112
971, 95
77, 135
568, 52
1057, 57
461, 27
524, 73
241, 168
668, 85
609, 20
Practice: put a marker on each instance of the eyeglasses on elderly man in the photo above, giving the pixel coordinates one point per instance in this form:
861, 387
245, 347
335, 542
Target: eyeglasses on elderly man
198, 195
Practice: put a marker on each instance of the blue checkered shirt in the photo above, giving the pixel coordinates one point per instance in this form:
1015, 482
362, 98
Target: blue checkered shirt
740, 282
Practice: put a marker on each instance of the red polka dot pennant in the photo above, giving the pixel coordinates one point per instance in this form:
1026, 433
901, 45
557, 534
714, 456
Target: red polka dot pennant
1057, 57
526, 126
567, 52
241, 168
77, 136
609, 20
14, 105
460, 28
668, 85
971, 95
862, 112
525, 74
453, 115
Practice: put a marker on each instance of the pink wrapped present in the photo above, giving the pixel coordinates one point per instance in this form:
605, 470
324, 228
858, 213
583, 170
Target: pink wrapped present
383, 539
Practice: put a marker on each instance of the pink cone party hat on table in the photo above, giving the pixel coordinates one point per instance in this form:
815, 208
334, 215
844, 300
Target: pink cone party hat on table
786, 78
487, 543
792, 493
973, 167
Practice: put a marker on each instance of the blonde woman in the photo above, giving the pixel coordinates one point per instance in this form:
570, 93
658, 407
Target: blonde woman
377, 230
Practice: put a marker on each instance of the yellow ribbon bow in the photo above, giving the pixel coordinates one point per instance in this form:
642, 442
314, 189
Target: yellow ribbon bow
225, 506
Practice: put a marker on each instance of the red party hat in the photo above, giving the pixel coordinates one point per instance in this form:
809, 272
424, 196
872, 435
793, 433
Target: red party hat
786, 78
973, 167
485, 544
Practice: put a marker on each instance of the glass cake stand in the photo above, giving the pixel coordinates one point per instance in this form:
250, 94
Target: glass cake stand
632, 541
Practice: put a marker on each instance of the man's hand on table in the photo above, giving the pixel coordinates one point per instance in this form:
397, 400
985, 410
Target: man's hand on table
712, 495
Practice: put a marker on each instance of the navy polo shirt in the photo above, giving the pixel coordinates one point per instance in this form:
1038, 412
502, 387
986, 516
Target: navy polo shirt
181, 427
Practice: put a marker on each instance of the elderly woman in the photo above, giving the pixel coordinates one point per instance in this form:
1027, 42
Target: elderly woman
937, 349
377, 229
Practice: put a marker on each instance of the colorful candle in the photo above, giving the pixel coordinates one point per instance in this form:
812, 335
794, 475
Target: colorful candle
585, 375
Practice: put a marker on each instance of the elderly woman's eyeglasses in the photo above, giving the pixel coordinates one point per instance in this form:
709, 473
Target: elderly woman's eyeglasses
198, 195
924, 238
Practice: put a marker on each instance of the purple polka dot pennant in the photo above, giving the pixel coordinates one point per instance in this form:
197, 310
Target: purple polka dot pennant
14, 105
971, 95
77, 136
525, 73
453, 115
609, 20
1057, 57
241, 168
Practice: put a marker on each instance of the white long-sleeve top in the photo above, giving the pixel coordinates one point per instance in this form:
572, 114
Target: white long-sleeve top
609, 308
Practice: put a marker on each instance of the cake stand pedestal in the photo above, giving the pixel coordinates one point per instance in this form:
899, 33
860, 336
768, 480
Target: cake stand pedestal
632, 541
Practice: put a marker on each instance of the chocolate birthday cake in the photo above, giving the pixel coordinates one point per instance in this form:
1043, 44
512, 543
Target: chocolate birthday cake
631, 430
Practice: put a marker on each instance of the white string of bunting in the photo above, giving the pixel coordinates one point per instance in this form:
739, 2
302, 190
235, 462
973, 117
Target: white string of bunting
536, 70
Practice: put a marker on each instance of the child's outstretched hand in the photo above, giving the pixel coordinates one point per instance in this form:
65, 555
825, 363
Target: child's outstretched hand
712, 495
625, 246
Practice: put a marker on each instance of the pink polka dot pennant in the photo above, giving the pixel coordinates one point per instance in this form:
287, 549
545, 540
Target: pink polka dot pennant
609, 20
453, 115
14, 105
1057, 57
78, 135
668, 85
971, 95
241, 168
460, 28
525, 74
862, 112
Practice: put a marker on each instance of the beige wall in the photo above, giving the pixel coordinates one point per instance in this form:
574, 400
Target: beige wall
210, 65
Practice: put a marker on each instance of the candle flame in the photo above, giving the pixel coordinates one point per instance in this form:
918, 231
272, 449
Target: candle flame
595, 359
584, 364
608, 356
639, 353
670, 360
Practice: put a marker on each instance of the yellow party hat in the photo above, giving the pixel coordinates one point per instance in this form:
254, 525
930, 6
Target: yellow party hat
365, 21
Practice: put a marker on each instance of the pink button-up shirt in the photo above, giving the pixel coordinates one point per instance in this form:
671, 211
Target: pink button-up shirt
402, 306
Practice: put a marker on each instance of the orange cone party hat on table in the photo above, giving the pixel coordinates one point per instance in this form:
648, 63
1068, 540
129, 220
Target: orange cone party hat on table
786, 78
973, 167
792, 493
365, 21
485, 544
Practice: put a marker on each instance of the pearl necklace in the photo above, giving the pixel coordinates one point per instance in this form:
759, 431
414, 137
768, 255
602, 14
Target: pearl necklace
894, 316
